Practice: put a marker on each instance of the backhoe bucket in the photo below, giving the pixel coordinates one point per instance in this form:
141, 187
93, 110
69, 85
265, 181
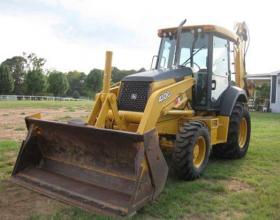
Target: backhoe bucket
102, 170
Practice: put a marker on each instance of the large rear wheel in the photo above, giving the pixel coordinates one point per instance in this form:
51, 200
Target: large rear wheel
192, 150
238, 135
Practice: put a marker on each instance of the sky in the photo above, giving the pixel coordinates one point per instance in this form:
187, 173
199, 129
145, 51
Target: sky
74, 34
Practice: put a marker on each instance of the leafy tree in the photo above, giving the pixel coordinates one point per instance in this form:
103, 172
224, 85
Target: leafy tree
35, 82
76, 81
17, 66
57, 83
6, 80
94, 81
263, 91
34, 62
141, 70
118, 75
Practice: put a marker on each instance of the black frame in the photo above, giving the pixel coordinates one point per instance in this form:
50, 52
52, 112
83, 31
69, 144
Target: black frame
209, 106
273, 89
209, 78
158, 60
160, 45
217, 105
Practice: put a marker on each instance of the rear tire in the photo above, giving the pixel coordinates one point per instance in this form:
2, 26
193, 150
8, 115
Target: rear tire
192, 150
238, 135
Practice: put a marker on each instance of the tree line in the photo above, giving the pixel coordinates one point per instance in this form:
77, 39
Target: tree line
25, 75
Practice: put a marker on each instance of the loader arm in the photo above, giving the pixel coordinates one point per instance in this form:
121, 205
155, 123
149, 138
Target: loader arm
106, 100
159, 102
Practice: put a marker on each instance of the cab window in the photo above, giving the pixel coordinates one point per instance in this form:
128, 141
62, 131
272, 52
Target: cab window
220, 68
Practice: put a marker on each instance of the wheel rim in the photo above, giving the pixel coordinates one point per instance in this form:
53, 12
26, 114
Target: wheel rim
243, 129
199, 152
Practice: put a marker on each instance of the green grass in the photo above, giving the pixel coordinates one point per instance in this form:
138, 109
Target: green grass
71, 109
20, 129
8, 151
46, 104
70, 213
7, 145
217, 194
64, 118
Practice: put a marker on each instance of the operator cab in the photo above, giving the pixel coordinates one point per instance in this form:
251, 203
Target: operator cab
208, 51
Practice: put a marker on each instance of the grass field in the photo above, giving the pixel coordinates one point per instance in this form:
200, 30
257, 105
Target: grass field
238, 189
45, 104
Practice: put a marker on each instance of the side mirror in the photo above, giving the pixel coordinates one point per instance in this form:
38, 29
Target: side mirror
155, 58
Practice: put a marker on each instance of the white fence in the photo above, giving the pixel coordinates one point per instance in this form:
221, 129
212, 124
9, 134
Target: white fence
36, 98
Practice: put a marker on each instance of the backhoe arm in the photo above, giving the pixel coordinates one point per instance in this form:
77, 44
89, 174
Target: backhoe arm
240, 56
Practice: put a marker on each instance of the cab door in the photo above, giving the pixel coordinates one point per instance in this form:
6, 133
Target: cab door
220, 69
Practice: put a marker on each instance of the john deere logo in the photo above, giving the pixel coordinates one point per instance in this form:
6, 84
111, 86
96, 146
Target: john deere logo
133, 96
164, 96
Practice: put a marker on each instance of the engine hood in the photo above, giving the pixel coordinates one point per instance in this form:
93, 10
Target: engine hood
158, 75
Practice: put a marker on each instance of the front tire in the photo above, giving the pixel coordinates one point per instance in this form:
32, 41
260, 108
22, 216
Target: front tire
192, 150
238, 135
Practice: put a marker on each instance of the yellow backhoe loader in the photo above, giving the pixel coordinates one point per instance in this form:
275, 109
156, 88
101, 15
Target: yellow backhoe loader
190, 104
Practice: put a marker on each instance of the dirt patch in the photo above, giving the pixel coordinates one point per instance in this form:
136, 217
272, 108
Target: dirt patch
13, 126
10, 154
196, 217
228, 216
18, 203
238, 186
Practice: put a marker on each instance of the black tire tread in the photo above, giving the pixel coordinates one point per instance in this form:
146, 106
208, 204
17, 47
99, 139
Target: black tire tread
182, 158
231, 149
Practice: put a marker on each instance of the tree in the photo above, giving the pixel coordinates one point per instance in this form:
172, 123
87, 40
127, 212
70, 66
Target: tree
118, 75
94, 81
6, 80
76, 81
35, 82
57, 83
34, 62
263, 91
17, 66
141, 70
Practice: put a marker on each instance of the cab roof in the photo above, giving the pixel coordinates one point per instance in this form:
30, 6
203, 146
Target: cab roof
205, 28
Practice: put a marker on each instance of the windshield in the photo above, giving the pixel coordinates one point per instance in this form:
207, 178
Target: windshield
193, 51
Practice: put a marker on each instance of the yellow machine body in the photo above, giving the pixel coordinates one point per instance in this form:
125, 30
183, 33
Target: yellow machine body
113, 163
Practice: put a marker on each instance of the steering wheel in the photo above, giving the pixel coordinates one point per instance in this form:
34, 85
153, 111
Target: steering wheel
194, 64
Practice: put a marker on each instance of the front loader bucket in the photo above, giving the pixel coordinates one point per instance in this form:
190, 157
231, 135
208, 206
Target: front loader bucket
102, 170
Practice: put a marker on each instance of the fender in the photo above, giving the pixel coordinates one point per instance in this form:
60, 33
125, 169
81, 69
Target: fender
232, 95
